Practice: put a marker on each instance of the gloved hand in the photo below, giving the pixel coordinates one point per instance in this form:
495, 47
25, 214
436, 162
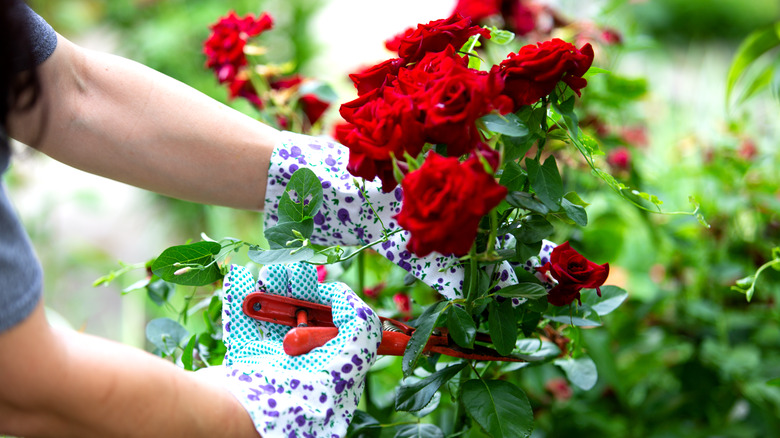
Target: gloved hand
346, 219
314, 394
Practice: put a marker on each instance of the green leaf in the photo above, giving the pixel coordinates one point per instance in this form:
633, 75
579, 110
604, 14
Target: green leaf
321, 90
546, 182
535, 350
593, 71
165, 334
509, 124
513, 177
755, 45
575, 212
187, 353
503, 326
281, 234
200, 256
533, 229
306, 189
461, 326
159, 291
416, 396
501, 36
611, 298
278, 256
774, 382
523, 290
527, 250
419, 338
575, 199
362, 422
501, 408
419, 430
516, 147
527, 201
581, 372
580, 316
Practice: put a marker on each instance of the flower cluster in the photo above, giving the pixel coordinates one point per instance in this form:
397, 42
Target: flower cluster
430, 97
226, 54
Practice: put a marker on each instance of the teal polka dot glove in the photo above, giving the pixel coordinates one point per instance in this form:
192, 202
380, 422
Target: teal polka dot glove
312, 395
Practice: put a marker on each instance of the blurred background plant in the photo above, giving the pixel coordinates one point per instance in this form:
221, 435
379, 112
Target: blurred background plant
684, 356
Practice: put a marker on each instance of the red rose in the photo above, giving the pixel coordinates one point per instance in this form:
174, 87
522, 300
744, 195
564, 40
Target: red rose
436, 36
242, 87
322, 273
451, 97
311, 105
403, 303
478, 10
619, 158
444, 201
224, 48
534, 71
377, 76
573, 272
380, 127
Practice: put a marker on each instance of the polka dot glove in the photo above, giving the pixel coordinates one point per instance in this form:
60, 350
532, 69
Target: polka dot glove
312, 395
346, 219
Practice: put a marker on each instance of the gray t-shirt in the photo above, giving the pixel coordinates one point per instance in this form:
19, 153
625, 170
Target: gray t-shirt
21, 277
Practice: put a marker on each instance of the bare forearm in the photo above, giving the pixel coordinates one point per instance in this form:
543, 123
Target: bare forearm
71, 384
116, 118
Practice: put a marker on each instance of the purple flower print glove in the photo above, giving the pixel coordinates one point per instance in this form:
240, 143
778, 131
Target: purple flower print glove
346, 219
312, 395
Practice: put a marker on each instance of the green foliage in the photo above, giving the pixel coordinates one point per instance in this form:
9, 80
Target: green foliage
190, 265
501, 408
755, 45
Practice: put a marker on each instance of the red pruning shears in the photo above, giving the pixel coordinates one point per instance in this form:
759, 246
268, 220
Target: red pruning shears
313, 327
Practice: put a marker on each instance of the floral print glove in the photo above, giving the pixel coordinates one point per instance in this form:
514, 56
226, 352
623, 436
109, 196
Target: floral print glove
346, 219
312, 395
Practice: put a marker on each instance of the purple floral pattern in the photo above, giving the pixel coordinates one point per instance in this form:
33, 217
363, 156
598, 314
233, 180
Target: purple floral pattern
312, 395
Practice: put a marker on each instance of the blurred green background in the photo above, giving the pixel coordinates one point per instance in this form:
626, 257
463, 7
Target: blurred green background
684, 356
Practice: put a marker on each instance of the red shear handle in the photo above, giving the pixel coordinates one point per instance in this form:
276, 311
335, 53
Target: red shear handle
302, 340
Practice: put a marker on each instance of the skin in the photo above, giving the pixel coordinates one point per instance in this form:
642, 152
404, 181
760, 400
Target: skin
116, 118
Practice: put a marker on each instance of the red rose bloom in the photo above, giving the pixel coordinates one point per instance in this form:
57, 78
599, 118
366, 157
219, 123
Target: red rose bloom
377, 76
403, 303
478, 10
380, 127
534, 71
573, 272
322, 273
224, 48
619, 158
242, 87
436, 36
444, 201
311, 105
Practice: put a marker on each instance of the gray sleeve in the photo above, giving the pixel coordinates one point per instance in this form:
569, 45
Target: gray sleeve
21, 276
43, 39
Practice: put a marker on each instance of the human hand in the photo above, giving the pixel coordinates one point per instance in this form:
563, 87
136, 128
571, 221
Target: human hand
314, 393
345, 217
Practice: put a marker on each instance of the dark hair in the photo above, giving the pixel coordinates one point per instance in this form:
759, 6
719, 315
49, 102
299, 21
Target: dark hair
17, 68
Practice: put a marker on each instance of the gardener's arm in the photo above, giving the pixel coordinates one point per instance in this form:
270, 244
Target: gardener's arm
117, 118
68, 384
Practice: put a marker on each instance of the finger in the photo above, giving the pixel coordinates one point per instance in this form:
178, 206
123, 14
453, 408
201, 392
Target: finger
273, 279
303, 283
359, 327
239, 329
